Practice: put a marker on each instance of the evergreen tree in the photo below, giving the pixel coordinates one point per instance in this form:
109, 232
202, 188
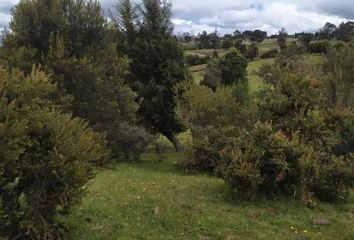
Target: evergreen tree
72, 41
157, 63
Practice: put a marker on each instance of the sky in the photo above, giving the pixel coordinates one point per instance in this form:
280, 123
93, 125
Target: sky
226, 16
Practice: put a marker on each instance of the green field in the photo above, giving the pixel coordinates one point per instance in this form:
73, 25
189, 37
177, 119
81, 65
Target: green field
266, 45
154, 200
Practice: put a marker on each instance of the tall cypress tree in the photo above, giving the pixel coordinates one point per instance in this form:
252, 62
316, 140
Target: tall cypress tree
157, 63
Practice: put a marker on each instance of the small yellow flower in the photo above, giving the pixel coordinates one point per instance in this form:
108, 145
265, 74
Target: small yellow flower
138, 197
296, 232
292, 228
305, 231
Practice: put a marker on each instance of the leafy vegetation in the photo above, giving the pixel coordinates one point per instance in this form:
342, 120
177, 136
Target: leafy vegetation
47, 157
265, 127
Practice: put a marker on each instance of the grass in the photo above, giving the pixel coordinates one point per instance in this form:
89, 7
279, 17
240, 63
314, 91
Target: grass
154, 200
207, 52
255, 82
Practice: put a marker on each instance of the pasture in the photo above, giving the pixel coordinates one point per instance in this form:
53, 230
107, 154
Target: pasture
155, 200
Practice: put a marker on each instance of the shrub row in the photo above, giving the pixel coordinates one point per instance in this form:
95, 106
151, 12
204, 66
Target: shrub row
291, 143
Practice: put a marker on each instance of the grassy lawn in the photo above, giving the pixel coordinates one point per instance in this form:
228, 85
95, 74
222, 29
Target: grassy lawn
154, 200
255, 82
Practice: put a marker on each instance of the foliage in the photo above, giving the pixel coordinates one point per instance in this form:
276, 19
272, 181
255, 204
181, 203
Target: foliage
255, 36
339, 66
46, 157
252, 52
228, 70
343, 32
212, 75
157, 63
241, 47
306, 40
297, 108
262, 160
100, 93
208, 40
211, 117
79, 23
194, 60
269, 54
282, 34
320, 47
288, 146
73, 42
233, 67
226, 43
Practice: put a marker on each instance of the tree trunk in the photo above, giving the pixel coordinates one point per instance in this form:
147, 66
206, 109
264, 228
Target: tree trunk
174, 140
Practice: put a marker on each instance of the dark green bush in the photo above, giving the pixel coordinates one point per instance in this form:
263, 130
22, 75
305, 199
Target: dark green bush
211, 117
252, 52
262, 160
194, 60
319, 47
269, 54
46, 157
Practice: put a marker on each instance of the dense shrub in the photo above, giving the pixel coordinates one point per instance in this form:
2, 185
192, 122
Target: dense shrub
320, 47
297, 109
211, 116
194, 60
130, 141
293, 144
339, 65
212, 75
252, 52
241, 47
46, 157
233, 67
269, 54
262, 160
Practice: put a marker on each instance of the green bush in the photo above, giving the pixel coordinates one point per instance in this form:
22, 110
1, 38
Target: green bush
47, 157
229, 70
211, 117
319, 47
194, 60
297, 109
262, 160
269, 54
291, 144
252, 52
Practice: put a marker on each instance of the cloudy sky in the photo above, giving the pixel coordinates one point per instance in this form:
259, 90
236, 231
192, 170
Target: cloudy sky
228, 15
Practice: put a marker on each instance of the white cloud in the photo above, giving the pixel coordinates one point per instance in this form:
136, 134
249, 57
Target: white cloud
4, 19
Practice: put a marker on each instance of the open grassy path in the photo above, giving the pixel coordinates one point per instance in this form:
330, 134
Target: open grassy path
154, 200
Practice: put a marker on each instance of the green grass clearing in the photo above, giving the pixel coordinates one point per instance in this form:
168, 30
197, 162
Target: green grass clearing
154, 200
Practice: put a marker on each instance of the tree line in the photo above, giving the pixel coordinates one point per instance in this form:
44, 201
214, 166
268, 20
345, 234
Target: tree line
77, 91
